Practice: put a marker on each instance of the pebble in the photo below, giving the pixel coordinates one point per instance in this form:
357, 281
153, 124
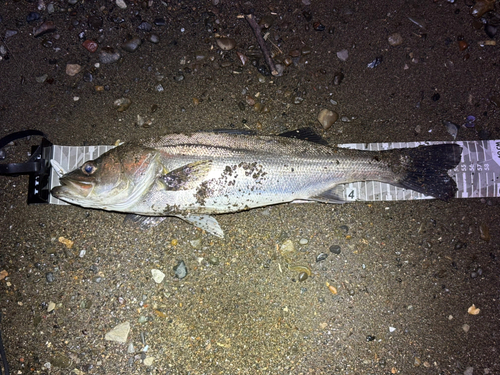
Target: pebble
148, 361
160, 22
303, 241
338, 77
378, 60
119, 333
109, 55
335, 249
226, 44
132, 44
153, 38
484, 232
451, 128
49, 276
466, 327
46, 27
10, 33
327, 118
73, 69
121, 4
158, 276
196, 244
469, 371
321, 257
32, 16
343, 55
90, 45
122, 104
145, 26
130, 348
395, 39
180, 270
287, 248
51, 306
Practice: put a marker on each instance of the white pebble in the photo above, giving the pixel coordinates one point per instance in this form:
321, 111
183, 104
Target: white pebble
51, 306
121, 4
343, 55
158, 276
392, 329
119, 333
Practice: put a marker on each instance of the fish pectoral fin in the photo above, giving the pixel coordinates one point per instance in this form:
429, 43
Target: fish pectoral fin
186, 177
332, 195
143, 222
206, 222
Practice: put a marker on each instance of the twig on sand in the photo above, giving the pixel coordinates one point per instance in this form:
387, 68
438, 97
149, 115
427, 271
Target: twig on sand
256, 30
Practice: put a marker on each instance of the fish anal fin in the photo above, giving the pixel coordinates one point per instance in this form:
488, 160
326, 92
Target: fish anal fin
186, 177
206, 222
332, 195
143, 222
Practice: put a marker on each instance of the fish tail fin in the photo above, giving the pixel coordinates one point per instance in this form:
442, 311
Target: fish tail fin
425, 169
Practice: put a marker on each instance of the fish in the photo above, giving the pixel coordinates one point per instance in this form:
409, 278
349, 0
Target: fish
194, 176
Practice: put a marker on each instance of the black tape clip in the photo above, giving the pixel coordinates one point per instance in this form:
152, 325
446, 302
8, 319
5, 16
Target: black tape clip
37, 166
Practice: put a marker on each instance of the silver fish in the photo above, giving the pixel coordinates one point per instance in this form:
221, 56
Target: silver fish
193, 176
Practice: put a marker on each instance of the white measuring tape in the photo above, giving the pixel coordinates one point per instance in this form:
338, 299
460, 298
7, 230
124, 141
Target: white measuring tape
476, 175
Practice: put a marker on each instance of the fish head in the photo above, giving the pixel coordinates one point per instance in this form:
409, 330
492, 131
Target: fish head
114, 181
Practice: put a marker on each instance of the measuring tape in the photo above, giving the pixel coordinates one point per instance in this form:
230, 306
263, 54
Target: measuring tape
476, 175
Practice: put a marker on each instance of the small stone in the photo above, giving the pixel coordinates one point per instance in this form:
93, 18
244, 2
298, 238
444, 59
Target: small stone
180, 270
145, 26
119, 333
132, 44
49, 276
130, 348
10, 33
327, 118
287, 248
51, 306
158, 276
335, 249
451, 128
46, 27
122, 104
392, 329
153, 38
395, 39
196, 244
303, 241
90, 45
469, 371
148, 361
466, 328
473, 310
109, 55
121, 4
32, 16
226, 44
73, 69
42, 78
321, 257
343, 55
484, 232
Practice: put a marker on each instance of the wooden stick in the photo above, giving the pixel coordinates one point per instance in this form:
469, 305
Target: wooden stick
256, 30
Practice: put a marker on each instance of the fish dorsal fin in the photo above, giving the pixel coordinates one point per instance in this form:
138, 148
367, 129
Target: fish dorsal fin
206, 222
305, 134
186, 177
332, 195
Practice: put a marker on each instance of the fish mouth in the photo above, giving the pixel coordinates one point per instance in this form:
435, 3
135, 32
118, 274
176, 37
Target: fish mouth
72, 189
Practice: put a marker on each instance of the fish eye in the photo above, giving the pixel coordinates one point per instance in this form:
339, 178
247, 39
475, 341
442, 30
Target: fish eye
88, 169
